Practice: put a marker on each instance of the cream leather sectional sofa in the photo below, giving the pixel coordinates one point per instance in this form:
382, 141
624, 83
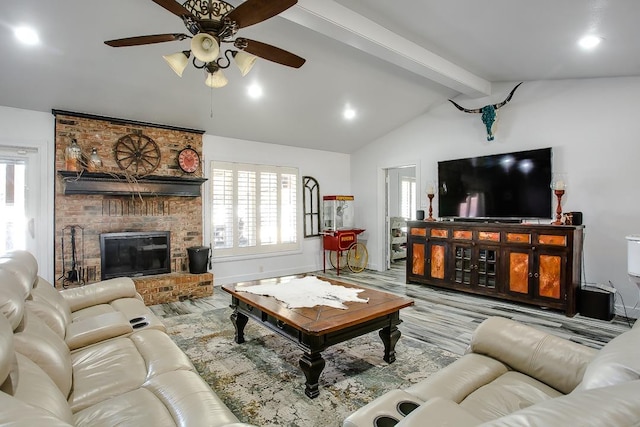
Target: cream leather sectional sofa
92, 356
516, 375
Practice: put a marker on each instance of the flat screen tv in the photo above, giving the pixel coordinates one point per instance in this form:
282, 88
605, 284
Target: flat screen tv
511, 186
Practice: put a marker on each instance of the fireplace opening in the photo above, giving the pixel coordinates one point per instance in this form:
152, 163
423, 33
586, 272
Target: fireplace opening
135, 253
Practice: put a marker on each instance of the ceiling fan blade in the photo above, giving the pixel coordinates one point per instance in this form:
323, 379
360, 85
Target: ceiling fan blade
271, 53
253, 11
139, 40
173, 7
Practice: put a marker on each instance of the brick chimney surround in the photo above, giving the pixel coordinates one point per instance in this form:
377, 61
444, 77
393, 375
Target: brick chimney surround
104, 198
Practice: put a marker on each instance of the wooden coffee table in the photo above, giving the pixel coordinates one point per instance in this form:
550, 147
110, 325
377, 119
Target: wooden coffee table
314, 329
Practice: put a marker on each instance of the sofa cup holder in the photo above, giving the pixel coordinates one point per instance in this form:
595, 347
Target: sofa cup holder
406, 407
385, 421
139, 322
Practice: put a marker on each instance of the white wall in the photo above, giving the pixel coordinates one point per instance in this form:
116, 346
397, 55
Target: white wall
593, 127
36, 130
331, 170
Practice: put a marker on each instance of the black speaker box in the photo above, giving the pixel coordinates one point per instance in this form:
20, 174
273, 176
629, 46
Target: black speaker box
576, 218
420, 215
596, 303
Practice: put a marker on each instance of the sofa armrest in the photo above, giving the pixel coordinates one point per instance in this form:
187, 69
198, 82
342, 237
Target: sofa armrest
439, 412
97, 328
99, 293
554, 361
459, 379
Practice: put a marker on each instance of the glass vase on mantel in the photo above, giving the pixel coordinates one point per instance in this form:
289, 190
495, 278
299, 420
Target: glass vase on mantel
95, 162
73, 157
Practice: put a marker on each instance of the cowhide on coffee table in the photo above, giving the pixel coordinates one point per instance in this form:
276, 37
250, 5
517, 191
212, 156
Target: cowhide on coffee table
316, 328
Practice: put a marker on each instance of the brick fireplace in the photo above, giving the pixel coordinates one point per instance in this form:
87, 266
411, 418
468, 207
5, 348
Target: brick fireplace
106, 198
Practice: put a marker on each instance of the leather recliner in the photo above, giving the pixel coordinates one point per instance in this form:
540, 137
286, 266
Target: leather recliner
516, 375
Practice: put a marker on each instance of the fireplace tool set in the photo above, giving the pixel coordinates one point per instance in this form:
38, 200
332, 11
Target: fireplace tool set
76, 274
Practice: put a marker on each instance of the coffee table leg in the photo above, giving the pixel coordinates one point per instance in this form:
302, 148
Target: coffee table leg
390, 336
239, 322
312, 365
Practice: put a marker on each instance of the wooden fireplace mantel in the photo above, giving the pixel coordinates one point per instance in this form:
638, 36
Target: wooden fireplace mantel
120, 185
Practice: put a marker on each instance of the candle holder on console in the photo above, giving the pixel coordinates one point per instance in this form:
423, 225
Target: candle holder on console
431, 191
558, 185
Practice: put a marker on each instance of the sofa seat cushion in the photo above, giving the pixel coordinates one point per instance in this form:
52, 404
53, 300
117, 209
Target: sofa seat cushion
136, 407
175, 398
105, 370
117, 366
508, 393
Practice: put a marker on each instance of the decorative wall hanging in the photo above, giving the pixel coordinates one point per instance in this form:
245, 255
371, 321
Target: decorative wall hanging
188, 159
137, 154
311, 202
488, 112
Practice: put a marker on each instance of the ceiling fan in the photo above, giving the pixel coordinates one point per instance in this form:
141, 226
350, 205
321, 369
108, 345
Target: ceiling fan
211, 23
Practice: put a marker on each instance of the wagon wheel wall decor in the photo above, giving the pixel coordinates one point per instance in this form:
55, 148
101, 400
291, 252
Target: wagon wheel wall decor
137, 154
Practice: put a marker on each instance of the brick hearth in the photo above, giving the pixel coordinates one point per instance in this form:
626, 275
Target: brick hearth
162, 288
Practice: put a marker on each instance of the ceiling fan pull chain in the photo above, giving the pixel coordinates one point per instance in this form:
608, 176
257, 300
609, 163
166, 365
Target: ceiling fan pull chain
211, 103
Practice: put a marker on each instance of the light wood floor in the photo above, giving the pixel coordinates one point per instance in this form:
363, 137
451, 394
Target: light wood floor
440, 317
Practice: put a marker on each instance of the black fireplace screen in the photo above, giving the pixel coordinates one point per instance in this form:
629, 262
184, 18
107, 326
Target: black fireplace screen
135, 253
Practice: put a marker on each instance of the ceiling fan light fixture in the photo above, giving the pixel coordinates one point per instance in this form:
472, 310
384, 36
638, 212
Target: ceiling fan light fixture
244, 61
205, 47
216, 79
178, 61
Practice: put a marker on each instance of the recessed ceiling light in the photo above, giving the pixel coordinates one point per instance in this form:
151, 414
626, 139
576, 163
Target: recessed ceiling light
349, 113
26, 35
589, 42
255, 91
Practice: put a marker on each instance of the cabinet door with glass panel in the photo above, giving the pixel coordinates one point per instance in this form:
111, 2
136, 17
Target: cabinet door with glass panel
475, 264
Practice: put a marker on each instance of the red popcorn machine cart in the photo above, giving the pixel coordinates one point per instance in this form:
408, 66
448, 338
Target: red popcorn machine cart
340, 236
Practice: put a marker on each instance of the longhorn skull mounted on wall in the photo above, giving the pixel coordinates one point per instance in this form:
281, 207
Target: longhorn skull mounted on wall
488, 112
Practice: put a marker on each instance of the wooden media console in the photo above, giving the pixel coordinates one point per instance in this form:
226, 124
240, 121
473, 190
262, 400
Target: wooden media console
528, 263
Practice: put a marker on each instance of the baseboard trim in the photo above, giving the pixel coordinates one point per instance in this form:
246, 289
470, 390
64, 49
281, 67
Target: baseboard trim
630, 312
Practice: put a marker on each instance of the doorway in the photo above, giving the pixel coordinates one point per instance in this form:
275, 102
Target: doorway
400, 203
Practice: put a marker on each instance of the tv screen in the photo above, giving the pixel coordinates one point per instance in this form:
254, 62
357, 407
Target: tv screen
511, 185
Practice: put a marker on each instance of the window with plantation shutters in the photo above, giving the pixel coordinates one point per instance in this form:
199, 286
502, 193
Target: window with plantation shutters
254, 209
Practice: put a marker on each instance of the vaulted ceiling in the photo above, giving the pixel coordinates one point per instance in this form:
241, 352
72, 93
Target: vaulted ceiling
389, 61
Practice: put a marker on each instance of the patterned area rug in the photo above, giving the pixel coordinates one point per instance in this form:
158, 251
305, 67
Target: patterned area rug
261, 382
